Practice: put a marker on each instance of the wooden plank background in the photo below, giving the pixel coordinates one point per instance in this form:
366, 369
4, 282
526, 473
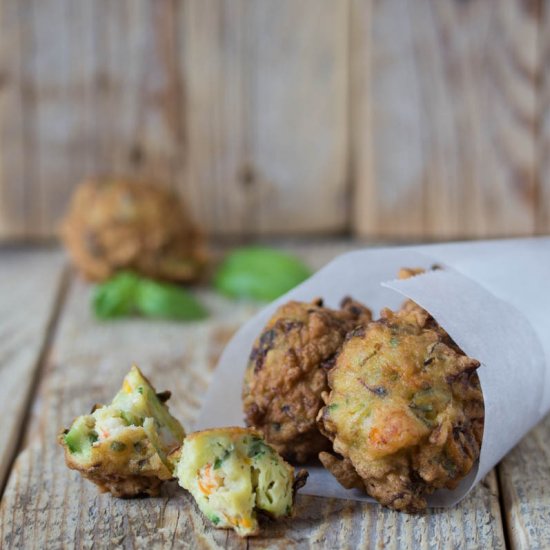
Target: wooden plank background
402, 118
26, 312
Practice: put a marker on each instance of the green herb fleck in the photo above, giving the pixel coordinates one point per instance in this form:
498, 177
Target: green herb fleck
140, 390
77, 441
423, 405
214, 519
333, 406
257, 448
130, 419
450, 466
219, 461
426, 407
71, 444
118, 446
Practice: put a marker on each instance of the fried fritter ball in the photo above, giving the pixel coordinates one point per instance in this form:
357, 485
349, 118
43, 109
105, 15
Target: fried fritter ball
405, 410
287, 373
232, 474
125, 447
114, 224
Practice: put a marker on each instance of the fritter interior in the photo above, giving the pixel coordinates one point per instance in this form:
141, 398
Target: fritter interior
233, 474
405, 410
287, 373
124, 447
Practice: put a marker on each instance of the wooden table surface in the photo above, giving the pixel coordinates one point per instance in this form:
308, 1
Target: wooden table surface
56, 360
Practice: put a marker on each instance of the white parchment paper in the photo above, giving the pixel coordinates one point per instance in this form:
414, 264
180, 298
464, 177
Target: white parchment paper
492, 297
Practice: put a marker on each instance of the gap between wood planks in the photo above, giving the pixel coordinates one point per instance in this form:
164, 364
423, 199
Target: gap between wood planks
51, 327
506, 533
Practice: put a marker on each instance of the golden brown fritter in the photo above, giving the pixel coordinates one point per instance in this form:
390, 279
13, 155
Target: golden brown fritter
287, 373
115, 224
405, 411
342, 469
414, 313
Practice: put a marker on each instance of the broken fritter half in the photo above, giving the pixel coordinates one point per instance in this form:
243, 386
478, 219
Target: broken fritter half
287, 373
124, 447
233, 475
405, 410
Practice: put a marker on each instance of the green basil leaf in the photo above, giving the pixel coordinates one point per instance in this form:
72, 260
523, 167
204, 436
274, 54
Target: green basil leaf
259, 273
169, 301
116, 297
128, 294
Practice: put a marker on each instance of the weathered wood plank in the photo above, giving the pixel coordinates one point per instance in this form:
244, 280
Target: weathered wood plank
246, 108
266, 85
543, 123
299, 133
214, 48
86, 364
13, 199
29, 286
524, 477
151, 144
123, 92
51, 126
444, 110
241, 106
88, 88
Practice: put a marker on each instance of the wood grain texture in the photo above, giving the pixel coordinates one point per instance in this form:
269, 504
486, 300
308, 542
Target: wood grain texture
29, 286
47, 506
14, 215
86, 89
300, 126
241, 106
214, 45
524, 476
266, 117
398, 118
444, 111
543, 123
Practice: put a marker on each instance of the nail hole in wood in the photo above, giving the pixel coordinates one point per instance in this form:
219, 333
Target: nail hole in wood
247, 176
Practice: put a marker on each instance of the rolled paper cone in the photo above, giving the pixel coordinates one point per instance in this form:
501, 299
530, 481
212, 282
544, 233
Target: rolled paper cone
492, 297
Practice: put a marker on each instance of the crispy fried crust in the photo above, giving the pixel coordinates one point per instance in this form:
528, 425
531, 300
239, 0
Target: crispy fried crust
342, 469
405, 411
135, 470
114, 224
287, 369
300, 479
